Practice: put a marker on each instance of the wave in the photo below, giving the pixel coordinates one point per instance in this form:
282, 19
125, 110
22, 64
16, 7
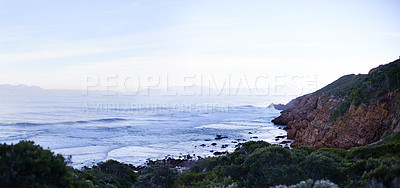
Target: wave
64, 122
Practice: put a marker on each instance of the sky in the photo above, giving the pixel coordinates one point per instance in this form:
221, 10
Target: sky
99, 43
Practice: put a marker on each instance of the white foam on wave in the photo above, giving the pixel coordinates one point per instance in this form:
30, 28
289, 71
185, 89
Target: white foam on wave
224, 126
247, 123
86, 155
136, 155
83, 150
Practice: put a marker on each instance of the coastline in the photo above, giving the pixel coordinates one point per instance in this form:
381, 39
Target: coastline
183, 162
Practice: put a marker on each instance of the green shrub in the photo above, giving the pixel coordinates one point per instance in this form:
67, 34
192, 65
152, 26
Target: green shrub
340, 110
204, 179
393, 138
365, 152
323, 165
388, 170
336, 151
110, 173
159, 174
282, 174
250, 146
28, 165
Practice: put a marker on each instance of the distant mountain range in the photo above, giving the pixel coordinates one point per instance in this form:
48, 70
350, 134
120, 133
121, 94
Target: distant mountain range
20, 87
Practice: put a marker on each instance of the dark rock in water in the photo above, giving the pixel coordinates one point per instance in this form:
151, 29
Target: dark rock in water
280, 136
276, 139
234, 142
224, 146
285, 142
214, 144
250, 133
220, 152
207, 140
211, 150
254, 137
203, 145
220, 137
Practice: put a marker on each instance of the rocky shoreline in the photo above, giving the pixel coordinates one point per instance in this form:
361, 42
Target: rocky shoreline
185, 161
355, 110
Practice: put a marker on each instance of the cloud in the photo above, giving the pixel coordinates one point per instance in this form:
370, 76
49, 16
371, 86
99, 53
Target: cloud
393, 34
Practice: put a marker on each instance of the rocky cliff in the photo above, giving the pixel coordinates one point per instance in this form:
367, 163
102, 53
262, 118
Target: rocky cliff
354, 110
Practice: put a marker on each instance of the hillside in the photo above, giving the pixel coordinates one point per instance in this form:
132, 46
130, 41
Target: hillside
354, 110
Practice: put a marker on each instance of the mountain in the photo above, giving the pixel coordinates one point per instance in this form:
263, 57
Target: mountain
354, 110
20, 87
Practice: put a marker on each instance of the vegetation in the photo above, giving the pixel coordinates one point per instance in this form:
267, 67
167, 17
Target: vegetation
159, 174
363, 88
254, 164
109, 174
27, 165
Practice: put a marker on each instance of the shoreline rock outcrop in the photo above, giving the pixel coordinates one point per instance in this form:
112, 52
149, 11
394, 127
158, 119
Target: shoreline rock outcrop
355, 110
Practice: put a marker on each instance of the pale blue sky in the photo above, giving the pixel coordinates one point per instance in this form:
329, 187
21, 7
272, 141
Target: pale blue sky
56, 44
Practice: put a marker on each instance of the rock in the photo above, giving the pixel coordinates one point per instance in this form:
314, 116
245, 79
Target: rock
311, 122
220, 137
250, 133
220, 152
207, 140
287, 106
214, 144
280, 137
285, 142
203, 145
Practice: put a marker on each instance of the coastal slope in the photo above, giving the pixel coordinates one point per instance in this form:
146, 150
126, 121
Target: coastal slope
354, 110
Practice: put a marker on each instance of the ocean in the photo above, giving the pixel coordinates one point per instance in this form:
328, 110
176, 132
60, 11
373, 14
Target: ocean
132, 129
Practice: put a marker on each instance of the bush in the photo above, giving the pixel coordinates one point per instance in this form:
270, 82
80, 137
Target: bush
393, 138
365, 152
205, 179
159, 174
284, 174
310, 183
336, 151
250, 146
28, 165
323, 165
110, 173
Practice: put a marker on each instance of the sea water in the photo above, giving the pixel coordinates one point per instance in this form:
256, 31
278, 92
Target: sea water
133, 129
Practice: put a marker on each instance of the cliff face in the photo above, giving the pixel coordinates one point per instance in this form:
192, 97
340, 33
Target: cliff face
352, 111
